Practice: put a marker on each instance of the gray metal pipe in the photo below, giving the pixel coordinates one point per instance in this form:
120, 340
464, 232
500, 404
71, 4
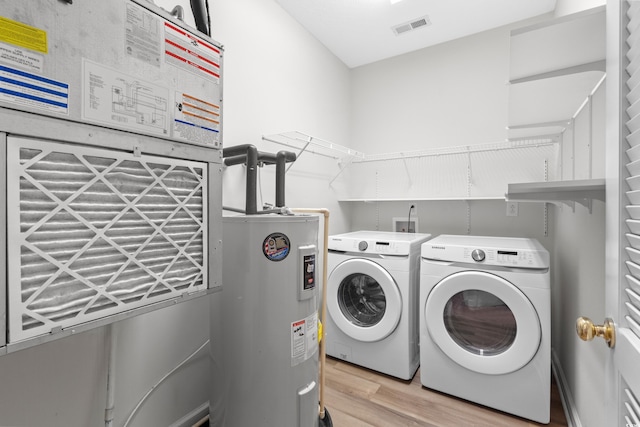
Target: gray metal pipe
235, 160
248, 154
282, 157
178, 12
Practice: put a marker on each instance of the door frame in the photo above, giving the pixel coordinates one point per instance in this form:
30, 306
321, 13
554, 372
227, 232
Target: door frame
615, 159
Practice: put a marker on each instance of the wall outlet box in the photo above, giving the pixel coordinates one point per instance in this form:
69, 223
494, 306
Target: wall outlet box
512, 208
404, 225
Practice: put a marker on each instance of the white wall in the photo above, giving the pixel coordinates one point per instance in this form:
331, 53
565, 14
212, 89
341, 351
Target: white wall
451, 94
579, 273
578, 289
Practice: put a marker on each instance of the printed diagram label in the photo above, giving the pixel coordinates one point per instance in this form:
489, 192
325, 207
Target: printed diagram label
113, 98
304, 339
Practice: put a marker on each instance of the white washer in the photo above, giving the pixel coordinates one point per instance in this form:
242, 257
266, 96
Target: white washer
485, 315
372, 300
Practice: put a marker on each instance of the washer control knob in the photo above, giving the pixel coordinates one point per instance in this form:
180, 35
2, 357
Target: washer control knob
478, 255
363, 245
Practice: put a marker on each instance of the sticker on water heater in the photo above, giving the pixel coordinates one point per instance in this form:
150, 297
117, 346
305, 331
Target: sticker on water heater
304, 339
276, 247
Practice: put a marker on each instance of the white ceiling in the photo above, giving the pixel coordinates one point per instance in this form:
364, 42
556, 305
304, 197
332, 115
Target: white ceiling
360, 32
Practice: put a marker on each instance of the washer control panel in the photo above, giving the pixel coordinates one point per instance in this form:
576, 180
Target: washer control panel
377, 242
370, 246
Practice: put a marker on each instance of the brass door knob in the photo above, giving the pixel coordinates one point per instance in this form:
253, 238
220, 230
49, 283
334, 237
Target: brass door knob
587, 330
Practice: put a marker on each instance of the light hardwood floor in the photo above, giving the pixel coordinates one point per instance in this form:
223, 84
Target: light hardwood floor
359, 397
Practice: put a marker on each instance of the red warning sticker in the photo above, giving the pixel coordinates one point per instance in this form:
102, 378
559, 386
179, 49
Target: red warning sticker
191, 53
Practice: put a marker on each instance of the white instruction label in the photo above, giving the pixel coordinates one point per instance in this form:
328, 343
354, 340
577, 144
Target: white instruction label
142, 35
22, 58
304, 339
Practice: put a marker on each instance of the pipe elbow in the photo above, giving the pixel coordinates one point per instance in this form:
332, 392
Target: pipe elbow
236, 150
285, 156
178, 12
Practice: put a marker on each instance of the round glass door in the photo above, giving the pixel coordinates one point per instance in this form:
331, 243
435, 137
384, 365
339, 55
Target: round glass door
482, 322
363, 300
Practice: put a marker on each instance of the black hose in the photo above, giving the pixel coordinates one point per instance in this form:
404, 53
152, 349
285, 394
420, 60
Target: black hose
200, 9
326, 421
409, 220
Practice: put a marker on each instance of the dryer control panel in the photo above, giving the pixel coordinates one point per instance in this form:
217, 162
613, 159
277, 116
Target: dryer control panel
507, 252
522, 258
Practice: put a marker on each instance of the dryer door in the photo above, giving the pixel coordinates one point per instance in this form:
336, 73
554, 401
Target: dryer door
483, 322
363, 300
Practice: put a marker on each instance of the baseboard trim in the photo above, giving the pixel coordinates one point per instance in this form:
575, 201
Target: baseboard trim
189, 419
570, 411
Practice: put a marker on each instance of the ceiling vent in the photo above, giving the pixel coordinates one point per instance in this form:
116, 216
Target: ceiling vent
411, 25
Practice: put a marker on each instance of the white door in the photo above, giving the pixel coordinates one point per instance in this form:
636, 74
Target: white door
363, 300
483, 322
623, 265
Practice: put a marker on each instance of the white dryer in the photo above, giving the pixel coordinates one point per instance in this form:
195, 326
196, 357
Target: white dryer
372, 300
485, 333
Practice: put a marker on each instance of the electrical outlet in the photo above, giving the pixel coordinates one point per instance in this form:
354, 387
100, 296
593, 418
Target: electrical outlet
512, 208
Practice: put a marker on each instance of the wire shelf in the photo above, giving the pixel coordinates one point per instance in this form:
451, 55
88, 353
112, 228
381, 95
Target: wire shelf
311, 144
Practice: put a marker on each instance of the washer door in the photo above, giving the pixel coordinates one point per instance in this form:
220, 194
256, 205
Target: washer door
483, 322
363, 300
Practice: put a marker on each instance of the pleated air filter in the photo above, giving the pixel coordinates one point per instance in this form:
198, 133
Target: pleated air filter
93, 233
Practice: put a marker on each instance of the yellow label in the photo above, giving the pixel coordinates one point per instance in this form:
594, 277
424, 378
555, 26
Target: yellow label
19, 34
